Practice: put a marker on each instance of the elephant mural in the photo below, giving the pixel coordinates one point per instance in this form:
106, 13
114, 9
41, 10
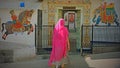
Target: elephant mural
20, 24
105, 14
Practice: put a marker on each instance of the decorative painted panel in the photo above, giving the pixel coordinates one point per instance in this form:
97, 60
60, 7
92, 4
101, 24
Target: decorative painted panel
53, 4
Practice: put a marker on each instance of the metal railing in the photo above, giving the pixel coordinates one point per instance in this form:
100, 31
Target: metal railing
98, 36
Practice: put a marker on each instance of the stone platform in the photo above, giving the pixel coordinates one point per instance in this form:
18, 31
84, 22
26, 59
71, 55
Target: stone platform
13, 52
105, 48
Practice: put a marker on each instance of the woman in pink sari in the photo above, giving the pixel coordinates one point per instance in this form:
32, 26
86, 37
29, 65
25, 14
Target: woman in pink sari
60, 44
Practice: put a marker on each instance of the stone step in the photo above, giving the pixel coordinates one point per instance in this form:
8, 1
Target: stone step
105, 49
13, 52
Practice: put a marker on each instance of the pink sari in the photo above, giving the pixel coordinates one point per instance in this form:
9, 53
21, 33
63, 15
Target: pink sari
59, 42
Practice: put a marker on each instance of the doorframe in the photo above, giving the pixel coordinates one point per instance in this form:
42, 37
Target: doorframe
38, 33
81, 20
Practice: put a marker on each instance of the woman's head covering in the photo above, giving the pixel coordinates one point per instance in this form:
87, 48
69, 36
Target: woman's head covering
60, 30
60, 24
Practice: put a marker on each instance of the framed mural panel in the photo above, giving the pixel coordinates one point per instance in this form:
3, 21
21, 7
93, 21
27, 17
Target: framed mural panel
71, 21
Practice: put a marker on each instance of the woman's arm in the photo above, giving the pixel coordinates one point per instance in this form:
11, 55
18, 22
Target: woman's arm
68, 44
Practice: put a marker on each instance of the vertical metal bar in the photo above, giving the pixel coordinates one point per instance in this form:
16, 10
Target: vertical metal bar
35, 39
81, 40
92, 41
35, 35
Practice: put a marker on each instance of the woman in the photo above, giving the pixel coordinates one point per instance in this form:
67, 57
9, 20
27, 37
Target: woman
60, 44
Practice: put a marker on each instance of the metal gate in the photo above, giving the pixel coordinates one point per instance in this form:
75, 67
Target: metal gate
43, 40
99, 38
43, 36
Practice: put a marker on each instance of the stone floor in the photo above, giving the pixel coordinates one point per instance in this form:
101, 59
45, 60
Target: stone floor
103, 60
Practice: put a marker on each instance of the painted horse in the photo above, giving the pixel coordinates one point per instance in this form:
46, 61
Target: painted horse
22, 24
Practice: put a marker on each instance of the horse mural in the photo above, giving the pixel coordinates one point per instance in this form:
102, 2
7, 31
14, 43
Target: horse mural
20, 24
105, 14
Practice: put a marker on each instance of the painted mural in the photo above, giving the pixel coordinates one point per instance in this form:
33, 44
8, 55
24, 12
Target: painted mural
106, 14
18, 23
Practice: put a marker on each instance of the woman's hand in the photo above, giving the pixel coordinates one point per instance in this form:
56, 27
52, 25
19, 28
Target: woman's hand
68, 48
